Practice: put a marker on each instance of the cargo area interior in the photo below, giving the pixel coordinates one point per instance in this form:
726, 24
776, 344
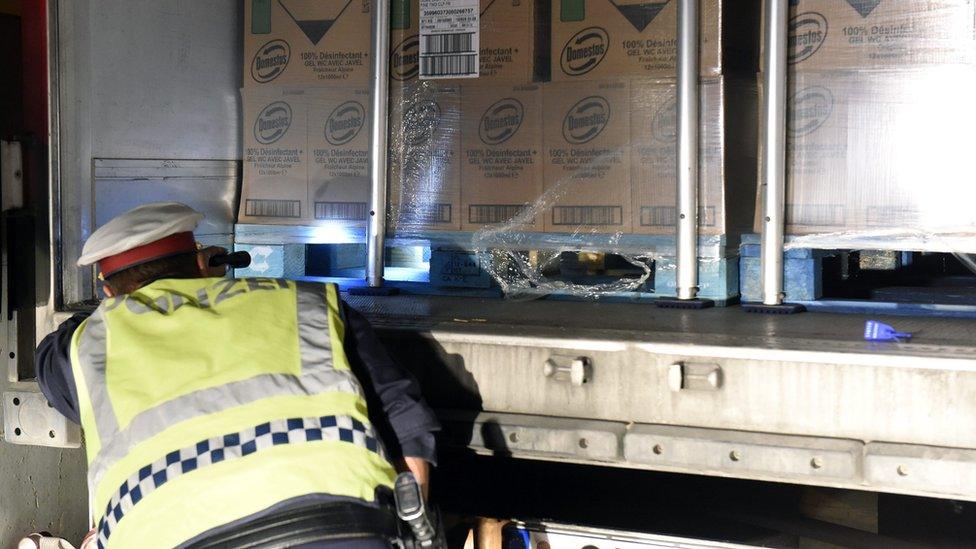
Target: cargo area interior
638, 290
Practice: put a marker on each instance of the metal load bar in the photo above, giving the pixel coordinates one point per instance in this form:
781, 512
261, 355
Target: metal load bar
688, 124
773, 149
380, 89
687, 161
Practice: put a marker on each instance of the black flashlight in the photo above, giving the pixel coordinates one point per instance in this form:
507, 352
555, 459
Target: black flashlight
236, 260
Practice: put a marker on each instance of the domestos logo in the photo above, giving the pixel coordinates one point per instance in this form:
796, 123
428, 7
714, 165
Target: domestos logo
809, 109
420, 122
344, 123
405, 59
270, 61
501, 121
272, 123
586, 119
664, 125
808, 31
584, 51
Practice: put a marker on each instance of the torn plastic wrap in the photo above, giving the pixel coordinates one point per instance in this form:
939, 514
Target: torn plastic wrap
567, 188
556, 163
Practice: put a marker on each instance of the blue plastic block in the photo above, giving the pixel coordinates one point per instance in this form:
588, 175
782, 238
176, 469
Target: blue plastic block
753, 250
750, 247
717, 278
802, 278
458, 269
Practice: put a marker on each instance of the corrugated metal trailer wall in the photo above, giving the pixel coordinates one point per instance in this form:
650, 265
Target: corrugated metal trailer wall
146, 104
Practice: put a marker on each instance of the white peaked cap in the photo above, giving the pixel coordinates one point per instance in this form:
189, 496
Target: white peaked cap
138, 227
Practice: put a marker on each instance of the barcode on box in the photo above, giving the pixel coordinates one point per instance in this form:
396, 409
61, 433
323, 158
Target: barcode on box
487, 214
449, 43
273, 208
449, 38
667, 216
815, 215
426, 213
341, 211
588, 215
449, 65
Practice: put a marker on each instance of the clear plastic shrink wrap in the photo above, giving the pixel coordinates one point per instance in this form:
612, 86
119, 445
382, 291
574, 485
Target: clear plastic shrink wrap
530, 172
563, 146
881, 117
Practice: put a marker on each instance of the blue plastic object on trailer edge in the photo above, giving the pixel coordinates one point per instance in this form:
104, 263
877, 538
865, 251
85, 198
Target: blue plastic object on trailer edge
879, 331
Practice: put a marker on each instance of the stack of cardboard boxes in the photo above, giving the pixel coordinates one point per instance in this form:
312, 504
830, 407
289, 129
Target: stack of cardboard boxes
570, 125
466, 153
306, 112
880, 113
593, 148
611, 127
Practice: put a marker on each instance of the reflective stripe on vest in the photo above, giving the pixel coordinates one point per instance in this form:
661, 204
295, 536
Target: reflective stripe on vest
229, 447
157, 332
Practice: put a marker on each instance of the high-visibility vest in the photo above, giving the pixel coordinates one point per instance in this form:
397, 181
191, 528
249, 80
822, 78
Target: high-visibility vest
205, 401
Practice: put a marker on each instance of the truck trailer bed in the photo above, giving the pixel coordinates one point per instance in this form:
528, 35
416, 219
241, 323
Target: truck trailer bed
801, 399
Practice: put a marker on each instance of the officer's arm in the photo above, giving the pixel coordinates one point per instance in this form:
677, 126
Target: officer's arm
393, 388
53, 363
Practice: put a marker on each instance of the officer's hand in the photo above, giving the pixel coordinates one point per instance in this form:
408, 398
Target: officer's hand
203, 261
421, 471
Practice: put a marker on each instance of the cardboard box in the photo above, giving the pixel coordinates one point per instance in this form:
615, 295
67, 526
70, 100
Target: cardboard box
306, 43
510, 30
587, 163
275, 159
654, 158
501, 156
818, 196
869, 34
880, 153
600, 39
425, 147
305, 156
338, 145
910, 151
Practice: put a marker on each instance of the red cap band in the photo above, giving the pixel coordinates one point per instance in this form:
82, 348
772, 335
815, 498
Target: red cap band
173, 244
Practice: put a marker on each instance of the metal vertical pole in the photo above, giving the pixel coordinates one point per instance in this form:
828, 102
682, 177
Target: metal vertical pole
773, 176
379, 88
687, 161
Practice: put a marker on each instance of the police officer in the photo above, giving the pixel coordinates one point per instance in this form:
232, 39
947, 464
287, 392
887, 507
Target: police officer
228, 413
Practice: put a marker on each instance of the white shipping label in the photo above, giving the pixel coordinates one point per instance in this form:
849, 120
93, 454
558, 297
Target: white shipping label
449, 38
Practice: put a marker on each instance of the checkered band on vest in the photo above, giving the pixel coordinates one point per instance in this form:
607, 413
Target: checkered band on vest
230, 447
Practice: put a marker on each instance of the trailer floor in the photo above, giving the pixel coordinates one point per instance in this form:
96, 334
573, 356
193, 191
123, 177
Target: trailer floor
727, 326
